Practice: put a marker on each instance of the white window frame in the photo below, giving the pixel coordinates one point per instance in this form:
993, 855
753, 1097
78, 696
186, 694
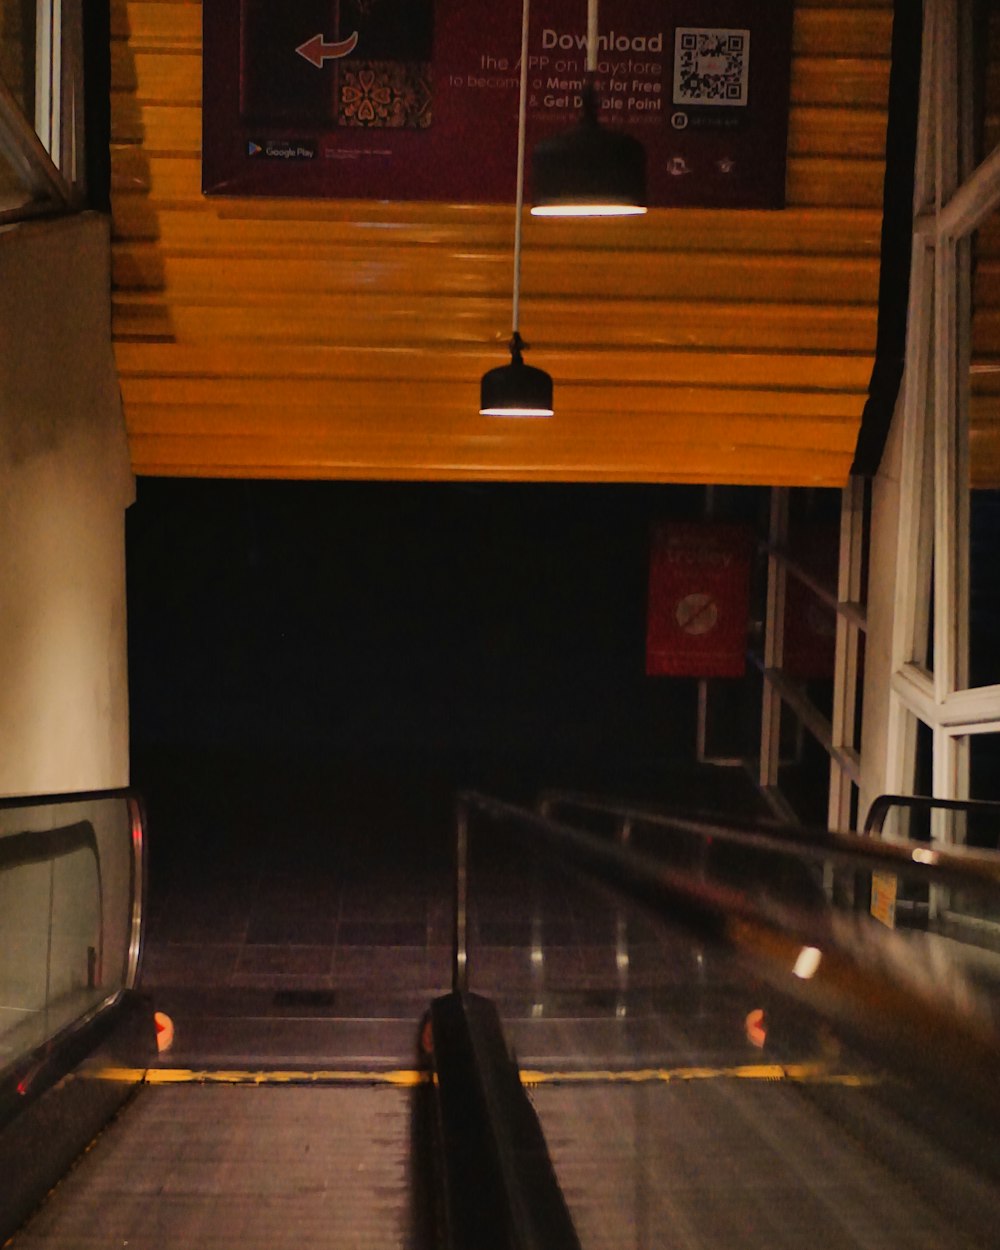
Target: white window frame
46, 153
951, 201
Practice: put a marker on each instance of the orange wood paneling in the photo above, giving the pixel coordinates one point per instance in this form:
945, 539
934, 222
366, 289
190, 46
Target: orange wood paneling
346, 339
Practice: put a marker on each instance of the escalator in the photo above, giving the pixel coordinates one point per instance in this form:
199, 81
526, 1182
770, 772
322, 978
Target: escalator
663, 1031
738, 1053
141, 1152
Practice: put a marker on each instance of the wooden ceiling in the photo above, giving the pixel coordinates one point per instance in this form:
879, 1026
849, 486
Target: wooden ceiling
346, 339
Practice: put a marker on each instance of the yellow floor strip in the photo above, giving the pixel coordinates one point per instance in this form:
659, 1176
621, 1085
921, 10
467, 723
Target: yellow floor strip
800, 1072
805, 1073
404, 1077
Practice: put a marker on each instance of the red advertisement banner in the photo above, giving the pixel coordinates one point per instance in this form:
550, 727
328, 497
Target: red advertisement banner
417, 99
699, 600
810, 636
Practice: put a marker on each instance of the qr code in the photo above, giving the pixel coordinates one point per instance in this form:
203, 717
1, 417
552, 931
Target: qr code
711, 67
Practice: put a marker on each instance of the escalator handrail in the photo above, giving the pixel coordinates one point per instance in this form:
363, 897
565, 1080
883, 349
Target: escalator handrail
66, 796
29, 1074
946, 865
860, 973
35, 846
499, 1186
26, 844
883, 805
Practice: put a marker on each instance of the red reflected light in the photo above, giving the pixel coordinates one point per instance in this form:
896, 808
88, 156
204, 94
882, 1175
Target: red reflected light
755, 1027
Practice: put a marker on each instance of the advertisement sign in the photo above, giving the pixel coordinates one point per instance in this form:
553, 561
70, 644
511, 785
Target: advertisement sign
810, 639
883, 904
699, 600
417, 99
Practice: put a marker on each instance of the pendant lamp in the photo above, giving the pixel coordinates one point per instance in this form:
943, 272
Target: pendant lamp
517, 389
591, 170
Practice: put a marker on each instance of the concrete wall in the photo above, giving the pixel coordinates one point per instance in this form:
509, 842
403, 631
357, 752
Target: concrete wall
65, 482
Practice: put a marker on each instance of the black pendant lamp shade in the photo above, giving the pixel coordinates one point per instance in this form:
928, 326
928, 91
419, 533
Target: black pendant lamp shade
589, 171
517, 389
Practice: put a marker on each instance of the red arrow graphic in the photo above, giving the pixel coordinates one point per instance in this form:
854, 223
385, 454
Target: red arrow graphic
316, 51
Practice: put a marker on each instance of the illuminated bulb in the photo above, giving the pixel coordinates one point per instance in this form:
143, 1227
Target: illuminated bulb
588, 210
807, 962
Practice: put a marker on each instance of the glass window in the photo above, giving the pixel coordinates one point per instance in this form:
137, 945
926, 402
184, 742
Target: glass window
984, 783
982, 380
18, 35
41, 105
968, 914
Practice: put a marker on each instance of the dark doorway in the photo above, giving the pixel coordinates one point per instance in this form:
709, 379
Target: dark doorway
382, 644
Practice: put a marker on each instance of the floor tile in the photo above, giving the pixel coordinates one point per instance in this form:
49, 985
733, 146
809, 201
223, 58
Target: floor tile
380, 967
304, 960
373, 933
292, 929
199, 963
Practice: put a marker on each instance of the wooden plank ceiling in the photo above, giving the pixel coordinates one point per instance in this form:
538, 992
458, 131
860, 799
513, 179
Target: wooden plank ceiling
346, 339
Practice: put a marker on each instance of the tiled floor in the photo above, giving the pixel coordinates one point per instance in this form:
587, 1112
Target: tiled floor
266, 926
352, 918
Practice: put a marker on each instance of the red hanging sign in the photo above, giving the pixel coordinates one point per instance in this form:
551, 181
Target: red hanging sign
699, 600
810, 637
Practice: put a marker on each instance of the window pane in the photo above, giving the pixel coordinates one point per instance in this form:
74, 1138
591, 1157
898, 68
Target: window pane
983, 397
984, 591
985, 130
17, 71
17, 52
967, 914
984, 783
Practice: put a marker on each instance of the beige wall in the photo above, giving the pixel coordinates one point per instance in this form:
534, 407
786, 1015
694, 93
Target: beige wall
65, 482
883, 593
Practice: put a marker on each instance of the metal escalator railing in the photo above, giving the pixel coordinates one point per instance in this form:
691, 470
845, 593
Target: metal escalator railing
497, 1184
885, 804
669, 1118
947, 828
964, 865
71, 892
71, 895
924, 1015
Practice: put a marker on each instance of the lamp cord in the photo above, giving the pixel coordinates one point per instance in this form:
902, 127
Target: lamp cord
591, 37
591, 106
522, 116
522, 120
